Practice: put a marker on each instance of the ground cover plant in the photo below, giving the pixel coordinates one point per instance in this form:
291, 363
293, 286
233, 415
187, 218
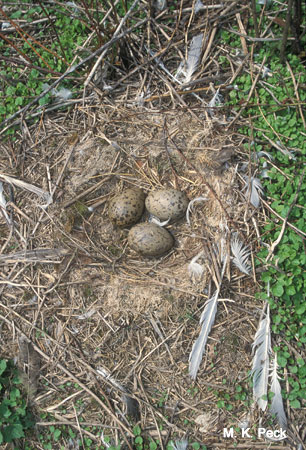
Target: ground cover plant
15, 416
187, 100
278, 147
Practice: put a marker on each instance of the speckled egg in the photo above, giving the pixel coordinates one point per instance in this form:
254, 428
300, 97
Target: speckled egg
127, 208
167, 204
150, 239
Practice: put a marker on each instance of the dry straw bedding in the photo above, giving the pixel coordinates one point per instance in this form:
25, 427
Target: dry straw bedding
102, 305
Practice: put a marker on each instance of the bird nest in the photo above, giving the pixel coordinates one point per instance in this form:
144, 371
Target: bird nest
99, 315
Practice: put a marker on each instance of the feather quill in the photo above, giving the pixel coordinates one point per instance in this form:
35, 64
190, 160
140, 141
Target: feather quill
261, 360
254, 188
277, 406
241, 254
207, 320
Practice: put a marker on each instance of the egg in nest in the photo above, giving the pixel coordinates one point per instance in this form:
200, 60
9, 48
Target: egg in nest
150, 239
167, 204
126, 208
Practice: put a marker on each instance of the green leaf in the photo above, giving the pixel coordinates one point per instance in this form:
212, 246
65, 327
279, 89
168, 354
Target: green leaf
282, 361
3, 365
12, 432
15, 393
277, 319
277, 290
195, 445
137, 430
153, 445
5, 412
44, 100
300, 311
57, 434
295, 404
10, 91
18, 101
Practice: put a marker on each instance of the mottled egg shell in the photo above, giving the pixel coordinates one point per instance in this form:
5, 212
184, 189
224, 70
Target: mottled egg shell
167, 204
150, 239
126, 208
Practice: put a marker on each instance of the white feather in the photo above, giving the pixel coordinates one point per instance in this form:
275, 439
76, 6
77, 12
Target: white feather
260, 368
265, 174
62, 94
216, 100
195, 269
180, 445
198, 6
87, 315
3, 204
156, 220
254, 185
241, 254
188, 68
161, 4
277, 406
262, 154
207, 320
197, 199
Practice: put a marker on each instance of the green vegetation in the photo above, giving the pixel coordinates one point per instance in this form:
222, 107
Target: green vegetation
15, 416
45, 54
277, 114
49, 46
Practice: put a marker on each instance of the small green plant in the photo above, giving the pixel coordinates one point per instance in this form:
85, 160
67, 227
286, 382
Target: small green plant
278, 122
15, 416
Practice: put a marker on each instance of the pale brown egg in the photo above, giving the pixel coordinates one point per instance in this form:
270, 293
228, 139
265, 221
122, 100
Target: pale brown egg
150, 239
167, 204
127, 208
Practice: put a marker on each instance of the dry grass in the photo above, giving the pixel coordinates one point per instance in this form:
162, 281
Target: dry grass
86, 301
101, 305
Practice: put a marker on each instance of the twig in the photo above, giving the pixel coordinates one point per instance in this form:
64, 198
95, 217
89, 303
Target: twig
254, 14
41, 255
286, 31
151, 408
252, 39
242, 38
296, 91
